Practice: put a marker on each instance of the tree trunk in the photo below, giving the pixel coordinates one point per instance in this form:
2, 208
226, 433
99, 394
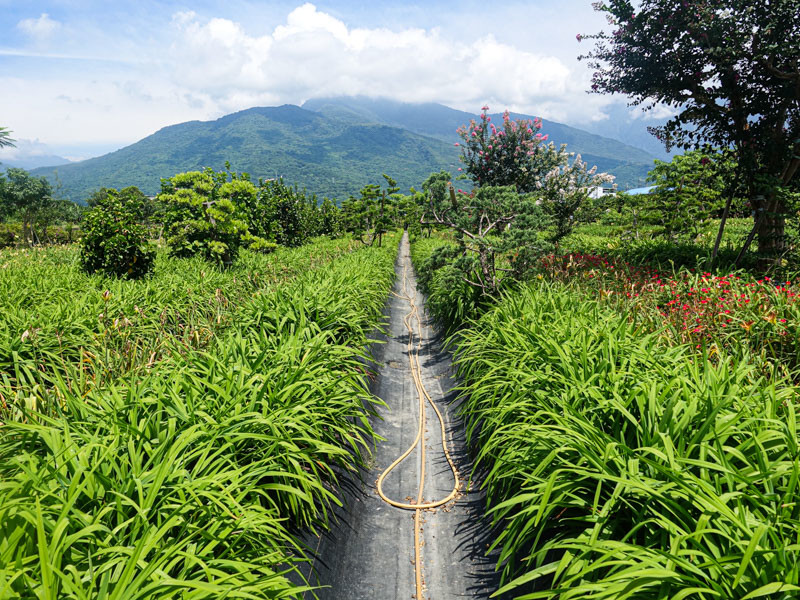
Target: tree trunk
771, 228
771, 234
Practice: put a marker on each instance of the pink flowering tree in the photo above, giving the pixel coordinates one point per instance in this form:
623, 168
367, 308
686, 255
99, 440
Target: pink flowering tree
564, 194
515, 153
527, 195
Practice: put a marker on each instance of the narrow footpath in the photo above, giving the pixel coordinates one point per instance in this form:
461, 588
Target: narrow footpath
372, 553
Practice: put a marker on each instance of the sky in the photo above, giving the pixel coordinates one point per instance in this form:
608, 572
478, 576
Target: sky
82, 77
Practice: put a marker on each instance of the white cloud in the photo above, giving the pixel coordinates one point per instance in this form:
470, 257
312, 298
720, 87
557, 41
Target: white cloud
660, 112
39, 29
316, 54
106, 87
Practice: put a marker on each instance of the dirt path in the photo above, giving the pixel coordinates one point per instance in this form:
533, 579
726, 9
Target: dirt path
370, 553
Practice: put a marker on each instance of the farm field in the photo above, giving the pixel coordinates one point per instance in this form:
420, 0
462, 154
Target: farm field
637, 424
168, 438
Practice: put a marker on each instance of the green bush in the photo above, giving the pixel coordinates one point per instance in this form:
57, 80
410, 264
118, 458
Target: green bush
113, 241
203, 214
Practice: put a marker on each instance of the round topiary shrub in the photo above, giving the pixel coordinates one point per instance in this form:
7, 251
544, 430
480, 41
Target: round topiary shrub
113, 242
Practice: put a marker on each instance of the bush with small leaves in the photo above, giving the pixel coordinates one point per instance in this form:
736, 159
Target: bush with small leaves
113, 241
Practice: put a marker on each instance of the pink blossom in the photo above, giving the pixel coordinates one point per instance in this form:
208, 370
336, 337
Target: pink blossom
484, 108
579, 37
460, 169
460, 191
456, 144
530, 130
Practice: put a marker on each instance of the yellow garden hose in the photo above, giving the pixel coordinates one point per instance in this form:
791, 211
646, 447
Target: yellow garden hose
422, 393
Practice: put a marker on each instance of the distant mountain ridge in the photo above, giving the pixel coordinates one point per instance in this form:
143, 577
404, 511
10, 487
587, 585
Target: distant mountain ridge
630, 164
33, 161
332, 147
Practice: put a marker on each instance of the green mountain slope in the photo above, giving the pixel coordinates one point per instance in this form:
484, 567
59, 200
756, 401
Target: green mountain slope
328, 156
630, 164
332, 147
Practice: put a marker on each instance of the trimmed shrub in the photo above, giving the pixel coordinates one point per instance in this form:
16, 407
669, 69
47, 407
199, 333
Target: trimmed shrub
113, 241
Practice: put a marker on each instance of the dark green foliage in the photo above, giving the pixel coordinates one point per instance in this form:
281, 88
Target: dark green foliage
287, 213
690, 192
113, 242
27, 198
370, 216
730, 70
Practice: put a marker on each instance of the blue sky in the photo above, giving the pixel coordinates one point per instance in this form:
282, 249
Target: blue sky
80, 78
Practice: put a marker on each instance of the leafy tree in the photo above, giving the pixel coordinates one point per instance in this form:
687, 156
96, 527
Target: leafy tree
285, 215
132, 196
491, 222
28, 197
330, 222
372, 214
564, 195
731, 71
202, 218
690, 192
114, 242
5, 138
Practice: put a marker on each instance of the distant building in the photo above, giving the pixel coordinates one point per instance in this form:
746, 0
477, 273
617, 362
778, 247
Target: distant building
600, 191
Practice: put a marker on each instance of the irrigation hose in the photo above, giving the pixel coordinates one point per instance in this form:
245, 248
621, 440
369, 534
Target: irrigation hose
423, 396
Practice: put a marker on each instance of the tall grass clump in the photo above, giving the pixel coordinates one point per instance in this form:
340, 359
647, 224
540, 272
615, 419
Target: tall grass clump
620, 467
59, 323
192, 478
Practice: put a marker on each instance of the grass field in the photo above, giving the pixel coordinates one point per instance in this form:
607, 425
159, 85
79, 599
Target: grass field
169, 439
637, 421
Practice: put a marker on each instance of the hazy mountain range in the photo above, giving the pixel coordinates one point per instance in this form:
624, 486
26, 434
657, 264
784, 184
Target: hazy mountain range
331, 146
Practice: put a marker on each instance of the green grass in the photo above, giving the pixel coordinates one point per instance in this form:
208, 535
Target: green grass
619, 467
187, 476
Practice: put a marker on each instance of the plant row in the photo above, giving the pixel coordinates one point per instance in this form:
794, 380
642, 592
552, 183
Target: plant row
619, 467
191, 478
59, 323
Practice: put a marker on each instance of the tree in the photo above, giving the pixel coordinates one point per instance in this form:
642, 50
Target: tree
564, 194
514, 155
201, 216
114, 242
330, 222
689, 192
28, 197
492, 221
730, 69
372, 214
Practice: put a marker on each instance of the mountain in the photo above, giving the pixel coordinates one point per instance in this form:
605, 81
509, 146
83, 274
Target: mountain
33, 161
630, 126
629, 163
332, 147
327, 156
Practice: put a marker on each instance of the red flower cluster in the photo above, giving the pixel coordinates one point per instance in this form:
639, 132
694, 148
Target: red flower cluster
697, 308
